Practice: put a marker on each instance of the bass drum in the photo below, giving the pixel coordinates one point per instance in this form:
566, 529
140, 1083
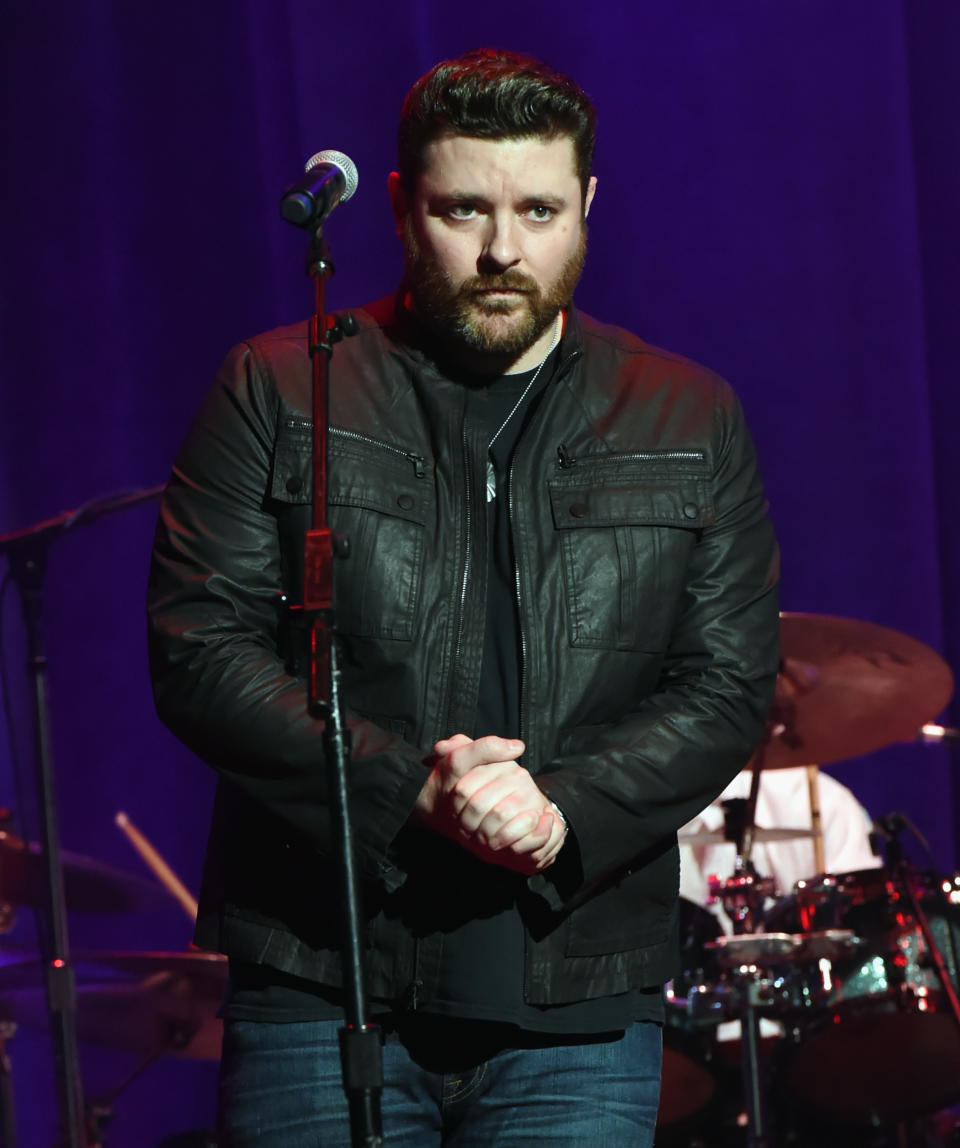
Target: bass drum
695, 1003
876, 1040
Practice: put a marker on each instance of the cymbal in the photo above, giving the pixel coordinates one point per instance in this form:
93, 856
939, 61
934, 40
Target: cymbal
847, 688
780, 948
697, 837
89, 885
147, 1002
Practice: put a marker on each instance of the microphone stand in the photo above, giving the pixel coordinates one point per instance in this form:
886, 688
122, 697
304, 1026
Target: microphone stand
902, 872
26, 552
361, 1058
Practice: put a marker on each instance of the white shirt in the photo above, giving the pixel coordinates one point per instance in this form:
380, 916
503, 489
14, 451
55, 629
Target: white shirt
783, 800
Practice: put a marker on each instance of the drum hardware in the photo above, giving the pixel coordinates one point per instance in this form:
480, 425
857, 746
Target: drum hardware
170, 1006
769, 950
88, 886
878, 1037
695, 1003
744, 894
152, 1003
27, 551
155, 1003
903, 877
754, 1084
749, 995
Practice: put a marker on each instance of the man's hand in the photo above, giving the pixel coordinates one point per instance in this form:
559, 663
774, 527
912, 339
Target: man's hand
478, 795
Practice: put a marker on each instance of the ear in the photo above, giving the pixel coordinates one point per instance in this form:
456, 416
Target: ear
398, 201
591, 192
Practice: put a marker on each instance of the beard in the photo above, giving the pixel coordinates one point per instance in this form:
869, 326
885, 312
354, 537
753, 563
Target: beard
465, 318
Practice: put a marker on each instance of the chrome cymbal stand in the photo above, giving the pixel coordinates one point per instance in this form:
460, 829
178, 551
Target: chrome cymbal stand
743, 895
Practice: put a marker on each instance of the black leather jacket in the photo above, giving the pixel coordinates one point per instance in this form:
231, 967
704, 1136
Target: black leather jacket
645, 572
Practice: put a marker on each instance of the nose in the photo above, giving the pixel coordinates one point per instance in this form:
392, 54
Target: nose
501, 248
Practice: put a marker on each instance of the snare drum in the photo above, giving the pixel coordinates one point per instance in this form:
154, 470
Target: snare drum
876, 1039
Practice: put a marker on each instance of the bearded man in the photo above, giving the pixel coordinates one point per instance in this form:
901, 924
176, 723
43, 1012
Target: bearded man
558, 631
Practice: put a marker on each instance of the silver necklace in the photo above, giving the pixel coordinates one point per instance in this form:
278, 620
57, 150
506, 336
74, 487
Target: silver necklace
491, 469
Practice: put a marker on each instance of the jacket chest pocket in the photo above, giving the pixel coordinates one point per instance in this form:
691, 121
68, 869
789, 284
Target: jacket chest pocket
626, 540
380, 499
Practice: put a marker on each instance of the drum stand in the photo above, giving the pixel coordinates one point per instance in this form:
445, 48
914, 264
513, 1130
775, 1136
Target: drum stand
743, 895
901, 872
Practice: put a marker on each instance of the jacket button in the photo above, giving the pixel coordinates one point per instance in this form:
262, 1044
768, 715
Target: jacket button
579, 509
690, 510
405, 501
294, 485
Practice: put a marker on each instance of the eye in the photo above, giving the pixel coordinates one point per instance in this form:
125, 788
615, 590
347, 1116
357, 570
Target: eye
541, 212
462, 210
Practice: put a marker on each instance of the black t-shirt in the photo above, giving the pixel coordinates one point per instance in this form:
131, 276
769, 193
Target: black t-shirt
481, 964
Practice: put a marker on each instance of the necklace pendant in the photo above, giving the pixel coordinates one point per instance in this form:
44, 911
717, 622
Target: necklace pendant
491, 481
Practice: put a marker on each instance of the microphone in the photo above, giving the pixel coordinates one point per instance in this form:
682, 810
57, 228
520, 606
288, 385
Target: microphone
329, 178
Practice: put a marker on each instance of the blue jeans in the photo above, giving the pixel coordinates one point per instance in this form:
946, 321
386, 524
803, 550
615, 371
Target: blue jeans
280, 1088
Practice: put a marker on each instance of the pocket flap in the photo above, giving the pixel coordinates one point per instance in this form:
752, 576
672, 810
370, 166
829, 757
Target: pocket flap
375, 479
670, 501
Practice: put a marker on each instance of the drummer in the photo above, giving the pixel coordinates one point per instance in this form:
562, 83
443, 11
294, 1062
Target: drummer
783, 802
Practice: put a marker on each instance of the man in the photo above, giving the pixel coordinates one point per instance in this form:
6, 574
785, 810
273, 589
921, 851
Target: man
558, 630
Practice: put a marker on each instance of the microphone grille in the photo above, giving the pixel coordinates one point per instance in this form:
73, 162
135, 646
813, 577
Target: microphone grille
344, 163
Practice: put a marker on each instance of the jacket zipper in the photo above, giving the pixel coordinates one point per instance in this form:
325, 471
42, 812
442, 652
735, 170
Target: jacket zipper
411, 997
565, 460
355, 436
467, 543
519, 594
655, 455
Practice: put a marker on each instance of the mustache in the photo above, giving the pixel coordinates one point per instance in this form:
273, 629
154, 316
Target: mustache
510, 279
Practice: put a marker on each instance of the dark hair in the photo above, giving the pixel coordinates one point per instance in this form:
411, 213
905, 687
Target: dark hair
492, 94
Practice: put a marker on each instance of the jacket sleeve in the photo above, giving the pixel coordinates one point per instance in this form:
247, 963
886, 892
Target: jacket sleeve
219, 681
626, 788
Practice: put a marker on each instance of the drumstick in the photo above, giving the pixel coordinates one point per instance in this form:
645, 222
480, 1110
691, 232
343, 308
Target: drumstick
160, 869
816, 823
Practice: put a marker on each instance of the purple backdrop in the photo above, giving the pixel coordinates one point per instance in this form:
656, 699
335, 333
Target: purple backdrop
778, 191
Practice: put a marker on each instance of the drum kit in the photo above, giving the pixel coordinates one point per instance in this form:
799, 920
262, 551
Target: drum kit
856, 973
151, 1004
842, 994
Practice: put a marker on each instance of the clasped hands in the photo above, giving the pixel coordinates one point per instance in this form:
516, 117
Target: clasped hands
479, 796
